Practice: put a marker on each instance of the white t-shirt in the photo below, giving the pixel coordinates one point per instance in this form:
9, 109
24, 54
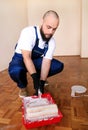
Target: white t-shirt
27, 41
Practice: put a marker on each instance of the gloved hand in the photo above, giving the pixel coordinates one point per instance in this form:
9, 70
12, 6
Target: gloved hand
38, 84
40, 89
41, 86
35, 78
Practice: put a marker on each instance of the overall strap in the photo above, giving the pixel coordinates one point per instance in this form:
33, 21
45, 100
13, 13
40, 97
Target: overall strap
37, 39
16, 46
46, 48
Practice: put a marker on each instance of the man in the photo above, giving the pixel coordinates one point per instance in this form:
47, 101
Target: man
34, 54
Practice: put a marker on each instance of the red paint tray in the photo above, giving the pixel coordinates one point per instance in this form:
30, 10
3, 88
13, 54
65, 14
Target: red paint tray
29, 124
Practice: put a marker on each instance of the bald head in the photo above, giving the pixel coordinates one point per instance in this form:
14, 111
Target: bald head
51, 13
49, 24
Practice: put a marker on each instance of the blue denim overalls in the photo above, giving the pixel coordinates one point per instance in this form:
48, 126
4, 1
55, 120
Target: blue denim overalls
18, 71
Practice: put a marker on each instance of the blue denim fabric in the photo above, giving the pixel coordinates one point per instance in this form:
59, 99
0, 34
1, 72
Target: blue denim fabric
18, 72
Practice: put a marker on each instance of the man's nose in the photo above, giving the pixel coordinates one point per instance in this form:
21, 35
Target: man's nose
51, 31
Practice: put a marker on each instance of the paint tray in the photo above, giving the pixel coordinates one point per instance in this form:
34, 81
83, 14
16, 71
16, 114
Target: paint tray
42, 122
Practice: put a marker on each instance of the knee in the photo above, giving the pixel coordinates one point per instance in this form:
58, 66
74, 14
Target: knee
57, 66
16, 73
61, 67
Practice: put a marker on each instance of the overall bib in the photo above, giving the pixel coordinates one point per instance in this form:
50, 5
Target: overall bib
18, 71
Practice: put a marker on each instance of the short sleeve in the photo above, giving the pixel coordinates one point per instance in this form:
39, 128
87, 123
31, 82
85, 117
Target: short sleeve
26, 40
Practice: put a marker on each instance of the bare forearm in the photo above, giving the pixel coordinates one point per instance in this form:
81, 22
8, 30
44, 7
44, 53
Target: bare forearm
45, 68
30, 66
28, 61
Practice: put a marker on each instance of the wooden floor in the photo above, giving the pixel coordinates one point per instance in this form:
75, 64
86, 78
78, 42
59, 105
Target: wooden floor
74, 110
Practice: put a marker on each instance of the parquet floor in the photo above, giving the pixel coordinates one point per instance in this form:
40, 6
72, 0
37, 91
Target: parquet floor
74, 110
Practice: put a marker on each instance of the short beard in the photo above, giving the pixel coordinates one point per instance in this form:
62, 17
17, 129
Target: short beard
43, 35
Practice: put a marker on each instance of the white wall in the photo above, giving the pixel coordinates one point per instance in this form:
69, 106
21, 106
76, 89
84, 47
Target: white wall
68, 34
13, 17
84, 42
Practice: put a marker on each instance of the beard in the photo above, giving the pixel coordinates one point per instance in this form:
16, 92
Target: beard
43, 35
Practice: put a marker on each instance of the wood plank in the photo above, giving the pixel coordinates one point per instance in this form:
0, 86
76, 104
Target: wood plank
5, 121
